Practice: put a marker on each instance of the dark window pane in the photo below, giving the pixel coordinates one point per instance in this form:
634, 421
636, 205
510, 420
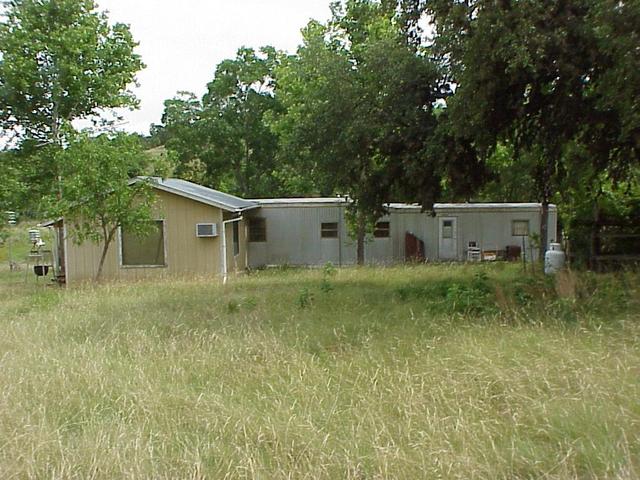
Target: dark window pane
146, 250
236, 238
257, 230
382, 230
329, 230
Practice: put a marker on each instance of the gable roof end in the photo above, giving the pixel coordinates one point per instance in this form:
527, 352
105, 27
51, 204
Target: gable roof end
201, 194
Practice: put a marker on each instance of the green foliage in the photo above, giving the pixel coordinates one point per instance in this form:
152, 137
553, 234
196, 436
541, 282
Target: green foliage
547, 79
225, 141
305, 298
329, 270
61, 60
475, 297
509, 178
359, 107
11, 185
235, 305
97, 197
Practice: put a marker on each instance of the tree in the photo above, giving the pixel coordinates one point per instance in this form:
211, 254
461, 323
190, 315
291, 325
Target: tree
60, 61
226, 138
11, 185
178, 130
540, 76
359, 105
98, 197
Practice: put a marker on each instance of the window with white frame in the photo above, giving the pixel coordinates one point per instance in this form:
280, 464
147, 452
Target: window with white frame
143, 250
520, 228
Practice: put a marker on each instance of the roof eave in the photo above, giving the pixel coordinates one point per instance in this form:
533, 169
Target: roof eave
195, 198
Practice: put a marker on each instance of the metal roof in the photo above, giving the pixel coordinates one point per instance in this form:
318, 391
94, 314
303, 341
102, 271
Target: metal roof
469, 206
202, 194
232, 203
301, 201
489, 206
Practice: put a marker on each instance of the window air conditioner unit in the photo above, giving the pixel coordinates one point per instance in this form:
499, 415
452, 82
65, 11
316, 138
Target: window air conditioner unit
206, 230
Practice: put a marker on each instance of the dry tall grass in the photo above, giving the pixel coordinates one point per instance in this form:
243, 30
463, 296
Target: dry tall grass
407, 372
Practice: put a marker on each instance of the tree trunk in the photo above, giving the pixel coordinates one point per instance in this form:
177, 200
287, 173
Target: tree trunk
105, 250
360, 236
595, 230
544, 228
547, 188
57, 141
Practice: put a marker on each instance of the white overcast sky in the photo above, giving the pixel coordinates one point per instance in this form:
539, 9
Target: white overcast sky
182, 41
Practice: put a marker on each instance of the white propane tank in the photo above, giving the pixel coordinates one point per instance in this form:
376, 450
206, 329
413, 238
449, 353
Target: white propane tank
553, 259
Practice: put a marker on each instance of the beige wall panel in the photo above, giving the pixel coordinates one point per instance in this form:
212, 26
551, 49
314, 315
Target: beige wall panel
185, 254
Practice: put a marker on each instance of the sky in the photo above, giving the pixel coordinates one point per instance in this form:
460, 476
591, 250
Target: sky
182, 41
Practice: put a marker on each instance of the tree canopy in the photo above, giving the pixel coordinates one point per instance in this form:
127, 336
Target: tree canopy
61, 60
539, 76
224, 140
359, 106
387, 100
102, 199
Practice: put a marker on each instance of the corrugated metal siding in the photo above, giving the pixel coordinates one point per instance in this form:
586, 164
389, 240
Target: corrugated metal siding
492, 230
293, 237
293, 234
422, 225
379, 251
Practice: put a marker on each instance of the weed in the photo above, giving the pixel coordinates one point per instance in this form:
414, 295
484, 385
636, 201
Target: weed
305, 298
326, 286
329, 270
233, 306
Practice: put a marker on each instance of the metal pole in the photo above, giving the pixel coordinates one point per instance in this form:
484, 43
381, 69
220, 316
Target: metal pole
340, 215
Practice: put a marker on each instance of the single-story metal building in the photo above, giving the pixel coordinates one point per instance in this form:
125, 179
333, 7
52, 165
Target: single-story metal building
201, 231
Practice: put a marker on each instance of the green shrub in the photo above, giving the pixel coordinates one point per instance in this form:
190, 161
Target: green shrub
305, 298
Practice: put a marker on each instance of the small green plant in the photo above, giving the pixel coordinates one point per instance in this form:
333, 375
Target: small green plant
305, 298
480, 277
329, 270
233, 306
523, 297
326, 286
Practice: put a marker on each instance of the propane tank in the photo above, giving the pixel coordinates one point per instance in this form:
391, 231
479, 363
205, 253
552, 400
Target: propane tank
554, 259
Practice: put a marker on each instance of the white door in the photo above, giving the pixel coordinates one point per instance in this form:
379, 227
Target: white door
448, 238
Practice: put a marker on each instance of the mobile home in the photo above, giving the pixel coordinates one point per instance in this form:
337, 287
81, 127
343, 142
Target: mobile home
201, 231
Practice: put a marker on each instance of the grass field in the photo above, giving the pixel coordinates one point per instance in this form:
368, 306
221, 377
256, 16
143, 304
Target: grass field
444, 371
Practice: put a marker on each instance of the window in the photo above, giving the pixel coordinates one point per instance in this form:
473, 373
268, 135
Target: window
257, 230
146, 250
520, 228
382, 230
236, 238
329, 230
447, 229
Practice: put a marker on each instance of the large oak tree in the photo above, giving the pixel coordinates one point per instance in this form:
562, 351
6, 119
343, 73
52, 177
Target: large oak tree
548, 78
